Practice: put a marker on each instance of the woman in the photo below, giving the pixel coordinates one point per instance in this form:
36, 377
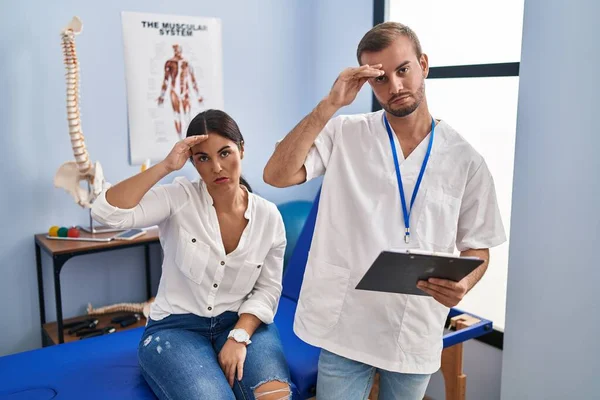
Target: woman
210, 333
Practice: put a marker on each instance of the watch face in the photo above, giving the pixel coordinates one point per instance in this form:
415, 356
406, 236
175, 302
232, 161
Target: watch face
240, 336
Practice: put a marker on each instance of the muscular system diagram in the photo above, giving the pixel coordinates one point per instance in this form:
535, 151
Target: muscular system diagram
178, 80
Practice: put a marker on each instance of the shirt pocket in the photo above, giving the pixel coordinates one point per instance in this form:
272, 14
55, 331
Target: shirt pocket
422, 325
438, 218
191, 256
322, 297
246, 277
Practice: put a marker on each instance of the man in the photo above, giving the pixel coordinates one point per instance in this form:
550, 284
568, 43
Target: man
179, 73
362, 213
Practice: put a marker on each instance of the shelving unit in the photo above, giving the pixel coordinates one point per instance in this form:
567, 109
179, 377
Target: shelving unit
63, 250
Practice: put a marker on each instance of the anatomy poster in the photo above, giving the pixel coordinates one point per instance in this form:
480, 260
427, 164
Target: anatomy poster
173, 67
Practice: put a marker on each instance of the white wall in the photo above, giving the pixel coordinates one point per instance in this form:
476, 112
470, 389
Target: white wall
339, 26
551, 347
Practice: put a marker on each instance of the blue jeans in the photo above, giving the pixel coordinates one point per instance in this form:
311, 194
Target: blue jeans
178, 358
341, 378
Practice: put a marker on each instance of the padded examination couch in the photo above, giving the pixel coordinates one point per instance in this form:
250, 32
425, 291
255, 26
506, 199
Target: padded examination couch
106, 367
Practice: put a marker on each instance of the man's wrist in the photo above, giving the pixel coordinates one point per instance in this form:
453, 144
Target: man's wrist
326, 108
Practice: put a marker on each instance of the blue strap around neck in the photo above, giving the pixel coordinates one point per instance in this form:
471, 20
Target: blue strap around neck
406, 211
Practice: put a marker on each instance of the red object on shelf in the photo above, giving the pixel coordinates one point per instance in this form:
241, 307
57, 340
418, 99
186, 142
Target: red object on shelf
73, 232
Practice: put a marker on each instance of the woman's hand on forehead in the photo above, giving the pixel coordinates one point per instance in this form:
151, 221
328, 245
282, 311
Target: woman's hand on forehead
181, 152
191, 141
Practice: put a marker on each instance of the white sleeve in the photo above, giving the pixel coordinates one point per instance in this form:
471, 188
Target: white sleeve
156, 206
480, 223
319, 154
267, 290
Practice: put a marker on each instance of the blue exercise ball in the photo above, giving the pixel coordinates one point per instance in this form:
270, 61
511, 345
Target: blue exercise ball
294, 214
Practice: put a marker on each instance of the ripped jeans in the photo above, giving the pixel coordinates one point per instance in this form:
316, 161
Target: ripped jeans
178, 358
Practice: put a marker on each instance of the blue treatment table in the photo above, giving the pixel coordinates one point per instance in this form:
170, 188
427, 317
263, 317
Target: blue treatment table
106, 367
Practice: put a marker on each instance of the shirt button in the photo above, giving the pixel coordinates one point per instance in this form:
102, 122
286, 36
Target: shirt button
259, 266
222, 262
215, 285
209, 308
194, 240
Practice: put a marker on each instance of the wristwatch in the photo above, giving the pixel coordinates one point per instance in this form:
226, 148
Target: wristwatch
240, 335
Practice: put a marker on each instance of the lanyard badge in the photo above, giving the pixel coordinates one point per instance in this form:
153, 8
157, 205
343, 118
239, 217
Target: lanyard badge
406, 211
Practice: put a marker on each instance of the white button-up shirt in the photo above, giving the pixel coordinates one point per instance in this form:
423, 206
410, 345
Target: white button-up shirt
197, 276
360, 214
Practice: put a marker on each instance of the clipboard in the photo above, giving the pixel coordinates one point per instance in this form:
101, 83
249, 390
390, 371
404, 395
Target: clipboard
398, 271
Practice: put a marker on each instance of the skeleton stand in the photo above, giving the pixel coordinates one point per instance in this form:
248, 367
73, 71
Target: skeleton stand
97, 228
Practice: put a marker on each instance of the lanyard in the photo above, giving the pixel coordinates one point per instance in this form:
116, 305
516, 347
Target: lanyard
406, 211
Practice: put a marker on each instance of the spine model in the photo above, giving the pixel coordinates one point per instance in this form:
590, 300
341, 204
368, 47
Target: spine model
122, 307
73, 114
72, 173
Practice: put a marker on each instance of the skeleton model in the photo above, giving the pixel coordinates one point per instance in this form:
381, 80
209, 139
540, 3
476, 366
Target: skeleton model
71, 173
143, 308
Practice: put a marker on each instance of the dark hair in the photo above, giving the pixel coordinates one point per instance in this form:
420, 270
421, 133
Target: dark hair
219, 122
382, 35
